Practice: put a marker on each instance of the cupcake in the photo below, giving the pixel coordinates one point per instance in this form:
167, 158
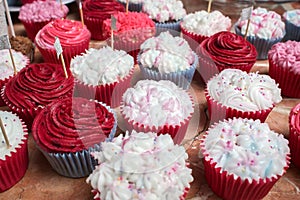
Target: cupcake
157, 106
225, 50
6, 67
103, 74
284, 67
34, 17
265, 29
132, 30
294, 138
34, 87
234, 93
24, 45
243, 158
166, 57
166, 14
133, 5
74, 39
292, 24
141, 166
13, 160
197, 26
68, 130
96, 11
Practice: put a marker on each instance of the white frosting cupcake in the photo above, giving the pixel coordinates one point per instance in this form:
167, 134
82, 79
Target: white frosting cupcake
156, 103
204, 23
141, 166
164, 10
247, 149
101, 66
166, 53
246, 92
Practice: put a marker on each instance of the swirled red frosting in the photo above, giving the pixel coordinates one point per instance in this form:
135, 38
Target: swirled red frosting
101, 9
72, 125
38, 85
295, 118
228, 49
69, 32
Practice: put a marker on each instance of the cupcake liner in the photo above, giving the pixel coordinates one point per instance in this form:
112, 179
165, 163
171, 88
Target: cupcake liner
288, 81
32, 28
110, 93
177, 132
95, 27
292, 31
131, 48
14, 167
193, 39
134, 7
262, 45
172, 27
294, 144
27, 1
68, 53
218, 112
182, 79
77, 164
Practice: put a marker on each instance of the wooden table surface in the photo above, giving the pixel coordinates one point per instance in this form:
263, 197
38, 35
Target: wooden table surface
41, 182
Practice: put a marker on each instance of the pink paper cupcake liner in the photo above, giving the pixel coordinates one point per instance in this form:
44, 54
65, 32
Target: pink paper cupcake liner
69, 52
14, 167
111, 93
218, 112
288, 81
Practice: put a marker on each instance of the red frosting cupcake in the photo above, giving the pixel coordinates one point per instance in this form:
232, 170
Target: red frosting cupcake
96, 11
225, 50
34, 87
67, 130
74, 39
294, 139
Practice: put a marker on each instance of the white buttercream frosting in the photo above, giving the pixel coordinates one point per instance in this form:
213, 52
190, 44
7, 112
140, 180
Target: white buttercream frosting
247, 149
156, 103
164, 10
14, 131
246, 92
140, 166
101, 66
6, 66
166, 53
207, 24
263, 24
293, 16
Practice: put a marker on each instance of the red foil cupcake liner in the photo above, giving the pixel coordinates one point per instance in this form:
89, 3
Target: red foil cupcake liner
69, 52
288, 81
218, 112
2, 83
110, 94
294, 140
32, 28
193, 39
13, 168
95, 27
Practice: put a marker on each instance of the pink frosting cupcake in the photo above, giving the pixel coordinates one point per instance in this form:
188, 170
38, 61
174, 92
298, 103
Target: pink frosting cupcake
74, 39
36, 14
294, 138
284, 67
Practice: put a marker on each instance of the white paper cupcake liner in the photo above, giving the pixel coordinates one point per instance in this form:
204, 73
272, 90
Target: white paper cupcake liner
182, 79
173, 28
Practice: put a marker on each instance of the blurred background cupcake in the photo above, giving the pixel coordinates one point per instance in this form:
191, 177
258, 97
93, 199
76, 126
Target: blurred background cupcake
7, 69
69, 129
34, 16
167, 14
292, 24
74, 39
284, 67
197, 26
243, 158
265, 29
235, 93
157, 106
166, 57
294, 137
13, 158
133, 5
141, 166
224, 50
24, 45
96, 11
103, 74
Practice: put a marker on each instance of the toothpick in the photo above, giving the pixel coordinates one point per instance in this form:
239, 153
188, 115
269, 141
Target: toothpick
127, 5
81, 13
4, 134
12, 61
209, 6
246, 32
11, 26
61, 4
64, 65
113, 26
